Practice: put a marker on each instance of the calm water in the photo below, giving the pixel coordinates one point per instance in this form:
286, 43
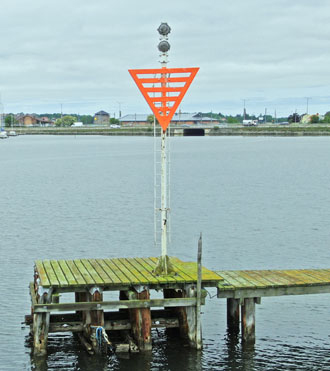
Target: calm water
261, 203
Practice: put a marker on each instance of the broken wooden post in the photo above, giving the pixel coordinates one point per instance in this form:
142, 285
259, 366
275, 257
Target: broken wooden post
233, 315
41, 323
248, 320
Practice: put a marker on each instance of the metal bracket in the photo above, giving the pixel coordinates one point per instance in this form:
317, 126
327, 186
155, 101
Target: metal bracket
93, 290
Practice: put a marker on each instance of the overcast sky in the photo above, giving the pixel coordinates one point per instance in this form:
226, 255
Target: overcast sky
273, 53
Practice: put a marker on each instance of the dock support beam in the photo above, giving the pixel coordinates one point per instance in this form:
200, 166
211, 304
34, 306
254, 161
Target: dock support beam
233, 315
248, 320
140, 319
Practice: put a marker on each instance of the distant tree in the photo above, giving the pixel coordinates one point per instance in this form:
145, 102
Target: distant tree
294, 117
232, 120
315, 119
10, 120
66, 121
150, 119
114, 121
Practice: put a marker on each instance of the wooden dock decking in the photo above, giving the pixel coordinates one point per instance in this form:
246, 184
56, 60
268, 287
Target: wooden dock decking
259, 283
111, 274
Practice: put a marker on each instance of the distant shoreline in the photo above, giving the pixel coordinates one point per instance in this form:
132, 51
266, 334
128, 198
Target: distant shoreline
148, 131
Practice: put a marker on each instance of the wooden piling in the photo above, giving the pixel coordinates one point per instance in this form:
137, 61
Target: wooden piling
41, 326
140, 319
233, 315
248, 320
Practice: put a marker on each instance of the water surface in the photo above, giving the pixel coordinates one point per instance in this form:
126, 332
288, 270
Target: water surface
261, 203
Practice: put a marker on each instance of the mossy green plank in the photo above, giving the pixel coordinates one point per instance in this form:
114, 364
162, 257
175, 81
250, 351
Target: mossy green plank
133, 270
92, 272
322, 274
242, 282
171, 278
67, 272
150, 265
59, 274
114, 278
275, 277
257, 279
294, 279
76, 273
190, 268
84, 272
306, 278
112, 267
122, 265
225, 285
231, 280
51, 274
100, 271
136, 267
179, 269
313, 275
44, 281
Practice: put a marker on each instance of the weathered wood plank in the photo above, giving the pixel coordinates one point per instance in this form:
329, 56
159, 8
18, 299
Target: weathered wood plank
83, 271
258, 279
122, 304
304, 277
76, 273
95, 263
241, 280
132, 274
92, 272
67, 272
180, 276
277, 279
294, 279
59, 274
148, 276
112, 275
121, 264
44, 281
115, 270
314, 275
232, 281
50, 273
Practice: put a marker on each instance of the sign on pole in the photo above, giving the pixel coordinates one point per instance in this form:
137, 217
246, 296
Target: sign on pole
164, 89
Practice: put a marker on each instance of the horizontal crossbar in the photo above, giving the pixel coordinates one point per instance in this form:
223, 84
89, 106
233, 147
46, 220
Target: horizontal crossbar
113, 305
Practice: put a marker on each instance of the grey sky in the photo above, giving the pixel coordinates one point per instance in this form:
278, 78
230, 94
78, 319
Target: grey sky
273, 53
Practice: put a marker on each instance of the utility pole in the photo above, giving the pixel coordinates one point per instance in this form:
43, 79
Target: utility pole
307, 100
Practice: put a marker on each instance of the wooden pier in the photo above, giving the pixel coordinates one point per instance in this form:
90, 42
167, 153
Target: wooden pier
135, 310
244, 289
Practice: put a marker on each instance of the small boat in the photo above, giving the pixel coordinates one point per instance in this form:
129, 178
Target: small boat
12, 133
3, 135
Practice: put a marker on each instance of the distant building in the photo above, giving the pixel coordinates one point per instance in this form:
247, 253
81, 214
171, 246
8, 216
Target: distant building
178, 119
101, 118
33, 120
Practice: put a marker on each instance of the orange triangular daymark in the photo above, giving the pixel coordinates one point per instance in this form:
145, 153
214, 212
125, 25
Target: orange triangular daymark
168, 87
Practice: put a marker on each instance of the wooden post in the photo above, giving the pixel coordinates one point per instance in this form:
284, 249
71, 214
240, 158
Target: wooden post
140, 320
199, 342
248, 320
41, 325
96, 317
233, 315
